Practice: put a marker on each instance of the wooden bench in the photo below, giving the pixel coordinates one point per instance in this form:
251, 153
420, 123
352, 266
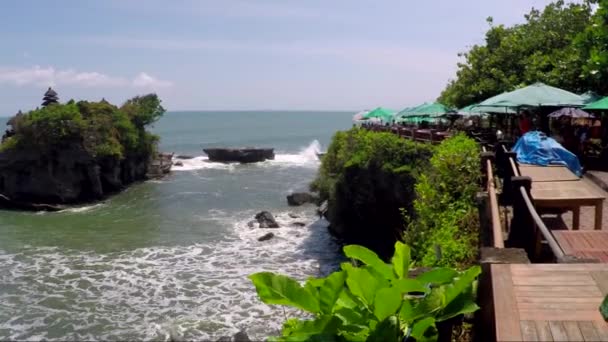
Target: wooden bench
555, 173
569, 195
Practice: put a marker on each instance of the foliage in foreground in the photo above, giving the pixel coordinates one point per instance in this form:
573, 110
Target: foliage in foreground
445, 230
374, 302
102, 129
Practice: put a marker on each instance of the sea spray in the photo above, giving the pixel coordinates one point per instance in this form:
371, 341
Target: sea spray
307, 157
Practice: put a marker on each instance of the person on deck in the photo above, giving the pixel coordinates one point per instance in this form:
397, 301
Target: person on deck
524, 123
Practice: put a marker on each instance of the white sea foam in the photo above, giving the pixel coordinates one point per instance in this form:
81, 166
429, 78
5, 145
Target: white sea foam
52, 293
83, 209
307, 157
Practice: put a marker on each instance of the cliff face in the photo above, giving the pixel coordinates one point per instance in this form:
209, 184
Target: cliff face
367, 207
62, 177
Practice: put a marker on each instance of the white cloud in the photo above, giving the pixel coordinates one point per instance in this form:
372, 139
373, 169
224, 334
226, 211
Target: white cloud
144, 80
50, 76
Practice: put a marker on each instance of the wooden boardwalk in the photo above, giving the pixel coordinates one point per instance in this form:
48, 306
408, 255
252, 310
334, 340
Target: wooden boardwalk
549, 302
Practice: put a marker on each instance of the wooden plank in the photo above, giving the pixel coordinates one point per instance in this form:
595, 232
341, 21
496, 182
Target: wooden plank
528, 331
544, 331
557, 291
558, 306
563, 314
506, 314
588, 331
548, 174
580, 299
558, 331
554, 280
573, 331
601, 279
602, 330
525, 268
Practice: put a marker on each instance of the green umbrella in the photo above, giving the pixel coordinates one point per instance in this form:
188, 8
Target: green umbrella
476, 109
601, 104
383, 114
536, 95
433, 110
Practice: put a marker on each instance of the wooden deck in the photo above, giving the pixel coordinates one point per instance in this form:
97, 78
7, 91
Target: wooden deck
549, 302
584, 243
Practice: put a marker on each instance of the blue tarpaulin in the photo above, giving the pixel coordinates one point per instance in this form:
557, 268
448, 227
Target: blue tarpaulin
537, 149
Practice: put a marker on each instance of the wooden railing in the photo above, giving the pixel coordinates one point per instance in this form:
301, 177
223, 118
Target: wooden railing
432, 136
527, 229
498, 238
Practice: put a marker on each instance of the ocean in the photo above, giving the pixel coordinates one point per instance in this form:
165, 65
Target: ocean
169, 259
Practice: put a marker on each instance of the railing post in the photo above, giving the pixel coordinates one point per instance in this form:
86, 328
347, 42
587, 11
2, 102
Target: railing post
485, 156
522, 233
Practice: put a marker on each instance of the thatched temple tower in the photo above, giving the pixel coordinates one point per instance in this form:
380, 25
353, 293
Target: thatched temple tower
50, 97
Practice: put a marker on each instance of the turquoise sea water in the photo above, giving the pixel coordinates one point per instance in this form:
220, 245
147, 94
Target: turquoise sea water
169, 258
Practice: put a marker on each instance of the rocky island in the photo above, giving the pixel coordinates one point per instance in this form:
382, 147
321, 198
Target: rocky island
239, 155
76, 152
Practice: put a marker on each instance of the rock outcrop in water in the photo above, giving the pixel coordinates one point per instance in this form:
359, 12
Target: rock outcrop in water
78, 152
239, 155
266, 220
266, 237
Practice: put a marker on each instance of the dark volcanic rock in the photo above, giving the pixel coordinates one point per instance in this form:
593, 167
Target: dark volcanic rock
240, 155
299, 198
241, 336
182, 156
266, 237
266, 220
251, 224
298, 224
178, 163
292, 215
71, 175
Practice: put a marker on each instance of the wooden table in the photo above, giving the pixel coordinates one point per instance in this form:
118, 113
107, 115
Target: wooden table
549, 302
553, 173
590, 244
569, 195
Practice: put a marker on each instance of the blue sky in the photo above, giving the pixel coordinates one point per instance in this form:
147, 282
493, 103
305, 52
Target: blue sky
241, 54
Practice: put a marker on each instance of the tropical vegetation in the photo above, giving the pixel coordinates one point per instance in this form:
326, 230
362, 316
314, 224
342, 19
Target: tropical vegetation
100, 128
564, 45
370, 300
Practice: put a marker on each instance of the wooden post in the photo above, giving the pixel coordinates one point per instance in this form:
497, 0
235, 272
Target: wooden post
522, 233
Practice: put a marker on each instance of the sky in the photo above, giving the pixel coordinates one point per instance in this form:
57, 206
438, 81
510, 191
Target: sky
241, 54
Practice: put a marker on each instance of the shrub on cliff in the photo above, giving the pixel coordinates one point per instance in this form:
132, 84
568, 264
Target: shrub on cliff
367, 178
444, 231
102, 129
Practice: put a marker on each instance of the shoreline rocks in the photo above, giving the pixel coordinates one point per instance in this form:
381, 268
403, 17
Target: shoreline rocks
266, 220
239, 155
266, 237
300, 198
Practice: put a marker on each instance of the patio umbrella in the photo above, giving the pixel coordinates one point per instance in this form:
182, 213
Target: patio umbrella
571, 112
590, 96
380, 113
359, 116
476, 109
536, 95
599, 105
433, 110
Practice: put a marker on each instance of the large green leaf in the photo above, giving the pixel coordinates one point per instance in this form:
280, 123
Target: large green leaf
401, 259
362, 284
424, 330
387, 330
304, 329
409, 286
278, 289
369, 258
430, 305
462, 283
463, 304
387, 302
604, 308
330, 290
438, 276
